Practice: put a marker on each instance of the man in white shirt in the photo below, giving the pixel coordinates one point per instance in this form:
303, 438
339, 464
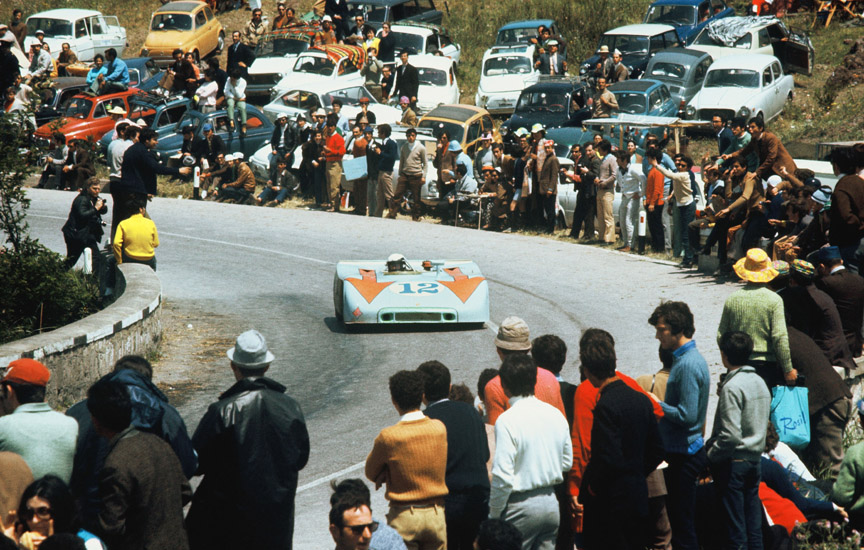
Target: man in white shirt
40, 64
533, 449
631, 182
683, 183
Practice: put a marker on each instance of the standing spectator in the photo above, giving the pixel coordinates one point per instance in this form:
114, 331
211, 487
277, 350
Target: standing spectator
625, 448
240, 56
584, 173
548, 185
387, 45
607, 175
772, 154
343, 124
116, 154
620, 72
313, 162
151, 413
410, 458
467, 502
67, 57
532, 451
412, 175
372, 70
683, 184
605, 67
605, 103
141, 485
44, 438
631, 181
254, 29
136, 239
847, 290
684, 411
514, 338
388, 154
334, 150
243, 187
116, 78
139, 171
652, 142
359, 145
847, 206
749, 202
235, 96
338, 10
738, 440
483, 155
83, 228
283, 142
364, 112
251, 444
757, 311
725, 138
10, 70
371, 172
281, 19
407, 80
551, 62
387, 81
654, 199
18, 26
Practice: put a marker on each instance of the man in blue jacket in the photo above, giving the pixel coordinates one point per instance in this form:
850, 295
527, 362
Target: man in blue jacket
116, 77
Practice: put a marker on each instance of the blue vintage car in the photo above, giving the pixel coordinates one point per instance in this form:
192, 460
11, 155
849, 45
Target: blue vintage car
554, 102
399, 291
637, 43
644, 97
687, 16
258, 133
521, 32
160, 113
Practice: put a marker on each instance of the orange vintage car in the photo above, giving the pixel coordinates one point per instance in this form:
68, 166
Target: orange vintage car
188, 25
86, 116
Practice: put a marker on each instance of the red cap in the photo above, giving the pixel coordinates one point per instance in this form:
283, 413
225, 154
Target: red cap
27, 371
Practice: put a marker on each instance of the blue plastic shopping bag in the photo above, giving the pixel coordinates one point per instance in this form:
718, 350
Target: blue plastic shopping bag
790, 414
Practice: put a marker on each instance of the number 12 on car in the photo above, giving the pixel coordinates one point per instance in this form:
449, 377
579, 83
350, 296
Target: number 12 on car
415, 288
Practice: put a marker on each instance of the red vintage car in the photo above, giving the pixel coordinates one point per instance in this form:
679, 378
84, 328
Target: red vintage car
87, 116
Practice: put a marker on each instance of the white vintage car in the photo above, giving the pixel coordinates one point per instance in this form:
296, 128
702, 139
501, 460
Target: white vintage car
88, 32
506, 71
750, 85
423, 38
437, 80
331, 64
305, 99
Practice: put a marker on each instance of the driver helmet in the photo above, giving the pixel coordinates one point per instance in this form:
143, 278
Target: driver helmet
396, 262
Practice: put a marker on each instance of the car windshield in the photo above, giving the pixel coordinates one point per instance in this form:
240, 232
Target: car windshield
373, 14
546, 102
627, 45
672, 15
511, 64
311, 64
431, 77
631, 102
732, 78
348, 96
79, 107
665, 70
407, 41
188, 120
281, 47
51, 27
455, 131
300, 99
516, 36
171, 22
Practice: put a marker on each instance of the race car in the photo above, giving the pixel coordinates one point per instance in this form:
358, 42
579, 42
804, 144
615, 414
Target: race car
415, 291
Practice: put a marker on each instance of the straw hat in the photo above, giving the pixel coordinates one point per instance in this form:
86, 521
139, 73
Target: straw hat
755, 267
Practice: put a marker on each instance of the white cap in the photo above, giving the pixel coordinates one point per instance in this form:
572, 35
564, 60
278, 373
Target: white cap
327, 18
774, 180
238, 156
229, 156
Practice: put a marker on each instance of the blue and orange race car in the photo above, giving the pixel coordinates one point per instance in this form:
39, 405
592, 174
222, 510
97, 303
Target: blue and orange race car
416, 291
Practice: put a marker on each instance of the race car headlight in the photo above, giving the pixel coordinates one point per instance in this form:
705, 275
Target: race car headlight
744, 112
690, 111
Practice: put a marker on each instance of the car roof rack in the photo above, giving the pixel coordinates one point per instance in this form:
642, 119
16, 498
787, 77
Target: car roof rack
558, 79
521, 47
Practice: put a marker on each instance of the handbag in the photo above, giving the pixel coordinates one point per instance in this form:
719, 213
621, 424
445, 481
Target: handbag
790, 414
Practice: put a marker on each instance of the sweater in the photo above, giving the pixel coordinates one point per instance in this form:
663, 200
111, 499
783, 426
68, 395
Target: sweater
758, 311
335, 148
136, 237
848, 490
412, 160
412, 458
546, 389
654, 188
686, 402
44, 438
741, 420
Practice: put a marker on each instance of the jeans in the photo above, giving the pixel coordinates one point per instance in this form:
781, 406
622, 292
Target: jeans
655, 227
685, 216
737, 483
241, 105
274, 162
628, 218
681, 478
718, 236
237, 194
269, 194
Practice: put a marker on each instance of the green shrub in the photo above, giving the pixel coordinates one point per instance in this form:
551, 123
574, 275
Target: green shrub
40, 294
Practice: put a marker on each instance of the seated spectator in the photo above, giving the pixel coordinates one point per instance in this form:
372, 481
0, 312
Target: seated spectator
207, 92
41, 64
136, 239
116, 77
65, 58
463, 188
47, 508
53, 162
96, 73
241, 189
47, 49
275, 192
220, 172
235, 96
78, 167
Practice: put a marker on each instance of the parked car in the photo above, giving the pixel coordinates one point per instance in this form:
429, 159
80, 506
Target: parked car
88, 32
141, 70
397, 11
644, 97
437, 78
258, 133
422, 38
749, 85
522, 32
337, 64
553, 102
188, 25
682, 70
687, 16
57, 96
274, 57
465, 123
160, 113
320, 95
763, 35
637, 43
86, 117
504, 72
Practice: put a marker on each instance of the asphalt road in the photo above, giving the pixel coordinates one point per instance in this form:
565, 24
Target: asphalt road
272, 269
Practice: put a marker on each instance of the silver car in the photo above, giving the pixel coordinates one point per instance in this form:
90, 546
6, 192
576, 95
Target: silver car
683, 70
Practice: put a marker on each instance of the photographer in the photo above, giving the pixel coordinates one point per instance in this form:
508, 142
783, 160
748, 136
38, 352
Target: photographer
83, 228
371, 71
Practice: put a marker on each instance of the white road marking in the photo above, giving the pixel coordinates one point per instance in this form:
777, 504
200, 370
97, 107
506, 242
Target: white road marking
325, 479
257, 248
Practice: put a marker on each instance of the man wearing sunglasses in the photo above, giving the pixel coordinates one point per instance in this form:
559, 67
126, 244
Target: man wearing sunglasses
352, 525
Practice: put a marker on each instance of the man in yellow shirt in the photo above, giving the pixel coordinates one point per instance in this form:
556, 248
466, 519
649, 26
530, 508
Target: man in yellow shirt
136, 238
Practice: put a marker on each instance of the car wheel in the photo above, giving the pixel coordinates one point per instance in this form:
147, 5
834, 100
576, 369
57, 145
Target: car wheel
220, 44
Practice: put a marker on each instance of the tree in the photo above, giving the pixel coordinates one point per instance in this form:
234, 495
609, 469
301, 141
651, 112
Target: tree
18, 159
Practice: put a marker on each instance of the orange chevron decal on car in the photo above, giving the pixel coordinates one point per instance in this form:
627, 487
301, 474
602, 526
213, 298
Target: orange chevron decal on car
461, 285
368, 286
